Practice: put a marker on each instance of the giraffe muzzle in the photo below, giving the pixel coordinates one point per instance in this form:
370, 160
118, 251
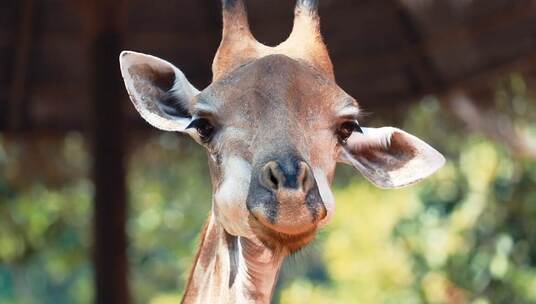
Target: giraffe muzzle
285, 197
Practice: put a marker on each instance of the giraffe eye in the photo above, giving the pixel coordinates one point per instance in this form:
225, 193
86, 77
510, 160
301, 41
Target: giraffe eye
346, 129
204, 128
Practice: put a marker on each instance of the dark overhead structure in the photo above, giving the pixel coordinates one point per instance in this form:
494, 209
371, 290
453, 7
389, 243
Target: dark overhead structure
385, 52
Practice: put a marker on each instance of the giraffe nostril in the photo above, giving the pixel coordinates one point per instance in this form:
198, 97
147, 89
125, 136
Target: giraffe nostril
306, 179
273, 179
271, 176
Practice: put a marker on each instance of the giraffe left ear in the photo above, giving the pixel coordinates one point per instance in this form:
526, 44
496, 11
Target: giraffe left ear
390, 157
159, 91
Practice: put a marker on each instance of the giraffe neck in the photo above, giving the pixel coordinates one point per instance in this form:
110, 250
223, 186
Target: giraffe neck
231, 269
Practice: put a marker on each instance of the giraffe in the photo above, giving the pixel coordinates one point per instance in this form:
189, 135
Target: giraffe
274, 124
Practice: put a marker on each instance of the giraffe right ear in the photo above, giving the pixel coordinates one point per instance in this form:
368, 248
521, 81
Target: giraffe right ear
159, 91
390, 157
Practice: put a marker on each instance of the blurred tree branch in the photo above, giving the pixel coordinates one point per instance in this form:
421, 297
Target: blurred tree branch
496, 126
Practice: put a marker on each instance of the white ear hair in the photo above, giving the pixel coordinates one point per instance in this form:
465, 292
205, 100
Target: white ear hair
371, 138
390, 157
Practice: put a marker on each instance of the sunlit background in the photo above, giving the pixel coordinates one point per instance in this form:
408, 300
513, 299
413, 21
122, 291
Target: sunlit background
466, 235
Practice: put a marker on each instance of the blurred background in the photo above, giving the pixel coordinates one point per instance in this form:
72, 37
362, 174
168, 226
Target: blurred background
97, 207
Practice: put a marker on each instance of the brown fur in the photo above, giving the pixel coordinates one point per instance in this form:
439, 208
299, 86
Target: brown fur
191, 289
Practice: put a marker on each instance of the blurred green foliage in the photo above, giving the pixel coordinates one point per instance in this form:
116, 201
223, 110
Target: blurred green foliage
466, 235
45, 221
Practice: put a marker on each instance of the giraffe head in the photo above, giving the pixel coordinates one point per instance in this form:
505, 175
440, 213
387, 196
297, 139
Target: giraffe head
275, 124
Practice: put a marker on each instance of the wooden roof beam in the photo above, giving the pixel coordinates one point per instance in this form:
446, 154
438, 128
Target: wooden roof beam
18, 88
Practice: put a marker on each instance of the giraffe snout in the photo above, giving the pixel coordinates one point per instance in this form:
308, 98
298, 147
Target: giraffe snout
286, 198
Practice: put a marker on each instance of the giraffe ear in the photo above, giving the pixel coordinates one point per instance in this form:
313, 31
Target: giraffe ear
390, 157
159, 91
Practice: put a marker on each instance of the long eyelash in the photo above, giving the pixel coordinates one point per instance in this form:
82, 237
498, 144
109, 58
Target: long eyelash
363, 114
355, 125
194, 124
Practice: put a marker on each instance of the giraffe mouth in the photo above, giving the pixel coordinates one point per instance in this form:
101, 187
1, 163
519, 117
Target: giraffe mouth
276, 240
